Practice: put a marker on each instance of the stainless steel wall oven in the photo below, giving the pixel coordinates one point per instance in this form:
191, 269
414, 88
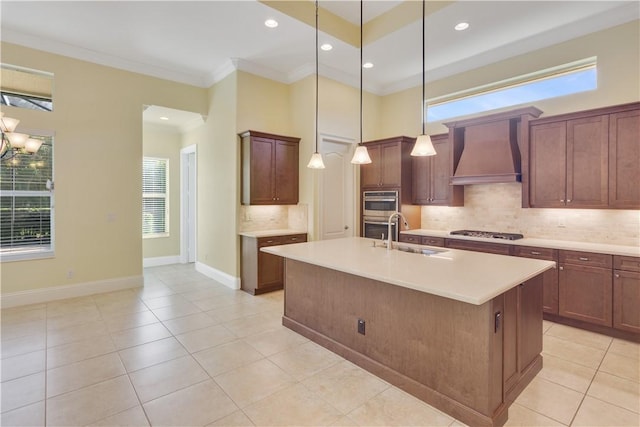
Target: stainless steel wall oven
377, 206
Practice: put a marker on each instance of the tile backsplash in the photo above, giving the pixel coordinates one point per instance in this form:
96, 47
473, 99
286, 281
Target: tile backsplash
497, 207
275, 217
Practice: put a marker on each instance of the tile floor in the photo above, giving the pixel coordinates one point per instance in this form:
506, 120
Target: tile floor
185, 351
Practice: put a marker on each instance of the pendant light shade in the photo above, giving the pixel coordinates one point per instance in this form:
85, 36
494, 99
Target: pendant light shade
316, 158
361, 155
423, 145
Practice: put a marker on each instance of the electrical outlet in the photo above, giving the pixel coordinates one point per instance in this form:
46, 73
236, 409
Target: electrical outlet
361, 325
70, 274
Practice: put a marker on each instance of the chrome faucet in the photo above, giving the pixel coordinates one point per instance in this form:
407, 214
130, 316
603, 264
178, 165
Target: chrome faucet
406, 225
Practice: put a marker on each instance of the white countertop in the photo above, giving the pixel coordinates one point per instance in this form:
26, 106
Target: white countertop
471, 277
271, 233
541, 243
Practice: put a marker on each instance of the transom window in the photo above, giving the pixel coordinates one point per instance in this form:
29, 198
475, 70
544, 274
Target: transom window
155, 200
580, 76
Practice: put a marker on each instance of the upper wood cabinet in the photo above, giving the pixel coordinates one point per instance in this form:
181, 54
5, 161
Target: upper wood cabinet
269, 169
431, 174
587, 159
624, 160
390, 166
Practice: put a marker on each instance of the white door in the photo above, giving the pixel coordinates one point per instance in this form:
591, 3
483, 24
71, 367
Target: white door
188, 204
337, 198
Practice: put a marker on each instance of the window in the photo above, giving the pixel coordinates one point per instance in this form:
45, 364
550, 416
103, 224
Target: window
26, 88
580, 76
26, 204
155, 200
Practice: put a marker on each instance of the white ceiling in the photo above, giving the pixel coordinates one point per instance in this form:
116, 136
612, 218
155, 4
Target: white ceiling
199, 42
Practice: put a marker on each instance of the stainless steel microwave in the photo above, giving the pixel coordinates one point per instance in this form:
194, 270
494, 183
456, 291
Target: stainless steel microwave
379, 204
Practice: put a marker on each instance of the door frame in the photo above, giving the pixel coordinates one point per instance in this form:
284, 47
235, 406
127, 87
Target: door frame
186, 198
351, 143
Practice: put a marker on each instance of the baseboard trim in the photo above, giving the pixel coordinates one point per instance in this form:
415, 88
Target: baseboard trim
219, 276
160, 260
36, 296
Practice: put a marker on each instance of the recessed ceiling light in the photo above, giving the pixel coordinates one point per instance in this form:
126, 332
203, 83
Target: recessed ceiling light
326, 46
367, 65
271, 23
164, 118
461, 26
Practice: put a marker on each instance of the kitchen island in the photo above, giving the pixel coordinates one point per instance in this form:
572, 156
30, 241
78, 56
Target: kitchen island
460, 330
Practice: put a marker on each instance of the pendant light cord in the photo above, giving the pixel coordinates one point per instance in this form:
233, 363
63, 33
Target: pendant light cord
316, 134
361, 71
424, 103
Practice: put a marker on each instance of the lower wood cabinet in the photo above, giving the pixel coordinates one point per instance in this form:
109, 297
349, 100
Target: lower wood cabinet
471, 245
626, 293
549, 277
585, 287
263, 272
417, 239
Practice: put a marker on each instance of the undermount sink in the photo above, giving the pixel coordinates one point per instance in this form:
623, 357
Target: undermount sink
423, 251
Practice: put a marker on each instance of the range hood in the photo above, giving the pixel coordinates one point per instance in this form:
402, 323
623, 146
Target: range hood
486, 149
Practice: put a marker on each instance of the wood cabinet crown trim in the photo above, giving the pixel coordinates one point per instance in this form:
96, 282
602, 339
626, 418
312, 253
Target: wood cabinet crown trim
586, 113
255, 133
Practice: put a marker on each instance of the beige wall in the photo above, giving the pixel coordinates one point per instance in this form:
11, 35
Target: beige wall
97, 120
165, 143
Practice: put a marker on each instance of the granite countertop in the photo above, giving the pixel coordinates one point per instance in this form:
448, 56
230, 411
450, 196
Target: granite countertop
271, 233
471, 277
542, 243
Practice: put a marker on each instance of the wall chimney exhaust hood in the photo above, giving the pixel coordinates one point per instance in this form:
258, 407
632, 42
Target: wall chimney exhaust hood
486, 149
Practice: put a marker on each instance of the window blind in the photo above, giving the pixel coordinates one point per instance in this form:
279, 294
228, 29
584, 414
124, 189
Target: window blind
155, 209
26, 204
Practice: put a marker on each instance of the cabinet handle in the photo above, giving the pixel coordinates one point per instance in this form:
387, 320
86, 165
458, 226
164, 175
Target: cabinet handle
562, 200
561, 268
496, 323
583, 258
617, 276
535, 253
568, 200
294, 238
269, 241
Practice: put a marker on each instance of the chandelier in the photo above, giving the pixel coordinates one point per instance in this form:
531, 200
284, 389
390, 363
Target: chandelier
14, 143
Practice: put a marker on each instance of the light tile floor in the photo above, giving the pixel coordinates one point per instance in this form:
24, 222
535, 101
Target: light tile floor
184, 350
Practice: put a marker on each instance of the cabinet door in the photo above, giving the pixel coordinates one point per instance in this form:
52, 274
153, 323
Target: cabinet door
370, 175
391, 161
270, 267
548, 162
410, 238
262, 171
626, 300
585, 293
549, 277
440, 173
588, 162
286, 173
624, 167
421, 180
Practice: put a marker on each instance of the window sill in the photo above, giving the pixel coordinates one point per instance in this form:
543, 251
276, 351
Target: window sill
155, 236
26, 255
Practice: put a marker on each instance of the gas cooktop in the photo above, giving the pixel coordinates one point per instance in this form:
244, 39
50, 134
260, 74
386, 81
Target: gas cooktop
487, 234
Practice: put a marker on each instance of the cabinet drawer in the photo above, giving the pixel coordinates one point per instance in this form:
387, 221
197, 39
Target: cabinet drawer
537, 253
492, 248
410, 238
432, 241
626, 263
269, 241
586, 258
294, 238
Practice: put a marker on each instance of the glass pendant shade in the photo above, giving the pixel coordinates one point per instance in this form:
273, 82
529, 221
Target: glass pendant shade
8, 124
33, 145
423, 146
17, 140
361, 156
316, 162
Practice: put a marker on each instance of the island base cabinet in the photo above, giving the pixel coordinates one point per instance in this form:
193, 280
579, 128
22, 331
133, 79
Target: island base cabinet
445, 352
626, 301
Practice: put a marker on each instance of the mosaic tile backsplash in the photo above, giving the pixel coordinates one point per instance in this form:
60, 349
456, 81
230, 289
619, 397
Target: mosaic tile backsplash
497, 207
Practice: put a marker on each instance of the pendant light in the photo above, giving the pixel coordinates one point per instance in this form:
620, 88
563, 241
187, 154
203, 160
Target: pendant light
361, 156
316, 158
423, 145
